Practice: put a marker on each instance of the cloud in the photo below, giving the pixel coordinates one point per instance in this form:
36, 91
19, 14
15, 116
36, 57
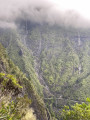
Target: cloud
5, 24
39, 11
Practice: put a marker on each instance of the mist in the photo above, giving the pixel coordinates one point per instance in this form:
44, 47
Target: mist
51, 12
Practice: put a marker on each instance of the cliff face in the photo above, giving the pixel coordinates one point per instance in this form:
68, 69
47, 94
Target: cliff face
55, 59
18, 99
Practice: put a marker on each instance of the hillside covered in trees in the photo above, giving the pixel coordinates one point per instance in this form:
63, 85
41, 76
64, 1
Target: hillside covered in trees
56, 60
18, 97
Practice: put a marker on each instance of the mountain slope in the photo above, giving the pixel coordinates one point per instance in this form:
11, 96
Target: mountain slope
15, 86
20, 55
56, 57
63, 58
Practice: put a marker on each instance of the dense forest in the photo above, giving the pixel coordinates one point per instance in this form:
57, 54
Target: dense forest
18, 97
50, 71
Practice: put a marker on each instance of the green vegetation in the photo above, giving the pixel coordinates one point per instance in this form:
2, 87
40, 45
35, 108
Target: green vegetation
14, 110
57, 57
63, 60
77, 112
8, 80
21, 56
13, 83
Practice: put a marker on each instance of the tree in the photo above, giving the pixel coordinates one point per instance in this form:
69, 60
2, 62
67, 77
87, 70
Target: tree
77, 111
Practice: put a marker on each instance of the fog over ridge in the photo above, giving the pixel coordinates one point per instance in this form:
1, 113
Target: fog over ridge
39, 11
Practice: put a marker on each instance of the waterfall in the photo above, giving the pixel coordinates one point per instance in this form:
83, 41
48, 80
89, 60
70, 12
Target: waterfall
39, 49
79, 69
79, 40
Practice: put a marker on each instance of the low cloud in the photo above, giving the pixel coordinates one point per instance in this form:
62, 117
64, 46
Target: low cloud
39, 11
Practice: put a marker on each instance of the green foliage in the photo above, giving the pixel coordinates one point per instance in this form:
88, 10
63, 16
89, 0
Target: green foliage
21, 56
63, 64
14, 109
77, 112
10, 80
9, 112
60, 57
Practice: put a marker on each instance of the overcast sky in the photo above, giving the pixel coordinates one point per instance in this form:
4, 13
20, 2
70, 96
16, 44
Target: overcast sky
61, 12
81, 6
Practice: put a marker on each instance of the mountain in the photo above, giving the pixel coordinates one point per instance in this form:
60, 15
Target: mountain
55, 59
18, 98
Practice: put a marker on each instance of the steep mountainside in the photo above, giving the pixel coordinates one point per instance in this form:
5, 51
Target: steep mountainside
20, 55
18, 98
56, 57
